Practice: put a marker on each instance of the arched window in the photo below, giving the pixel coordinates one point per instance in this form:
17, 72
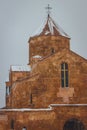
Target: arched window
64, 75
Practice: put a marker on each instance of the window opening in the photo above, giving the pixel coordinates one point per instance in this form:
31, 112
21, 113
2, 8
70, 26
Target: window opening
52, 50
12, 124
31, 101
7, 90
64, 75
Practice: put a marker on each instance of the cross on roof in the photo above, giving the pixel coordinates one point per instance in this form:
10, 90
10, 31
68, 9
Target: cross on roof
48, 9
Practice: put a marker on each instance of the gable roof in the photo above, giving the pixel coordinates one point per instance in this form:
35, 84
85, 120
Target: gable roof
64, 55
51, 28
59, 54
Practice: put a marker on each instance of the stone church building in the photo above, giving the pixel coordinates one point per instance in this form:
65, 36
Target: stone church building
50, 93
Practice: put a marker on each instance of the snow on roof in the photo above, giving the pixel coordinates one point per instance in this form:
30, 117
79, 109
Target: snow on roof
50, 28
21, 68
67, 105
37, 56
28, 109
50, 108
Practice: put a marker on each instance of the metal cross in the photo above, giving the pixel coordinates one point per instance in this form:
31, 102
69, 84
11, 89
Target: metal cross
48, 9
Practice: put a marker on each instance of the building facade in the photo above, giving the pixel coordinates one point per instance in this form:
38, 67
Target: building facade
50, 93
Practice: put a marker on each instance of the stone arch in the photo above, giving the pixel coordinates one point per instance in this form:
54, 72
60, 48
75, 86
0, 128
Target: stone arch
73, 124
24, 128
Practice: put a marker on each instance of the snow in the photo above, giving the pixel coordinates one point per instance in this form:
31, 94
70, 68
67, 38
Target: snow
67, 105
51, 25
50, 108
21, 68
47, 32
27, 109
37, 56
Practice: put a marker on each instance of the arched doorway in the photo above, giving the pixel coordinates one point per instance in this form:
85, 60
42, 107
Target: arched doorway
24, 128
73, 124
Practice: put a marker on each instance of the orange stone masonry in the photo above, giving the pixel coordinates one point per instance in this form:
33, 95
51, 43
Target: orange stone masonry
50, 93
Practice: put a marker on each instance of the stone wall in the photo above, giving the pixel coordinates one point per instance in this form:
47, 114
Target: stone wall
43, 120
46, 45
45, 83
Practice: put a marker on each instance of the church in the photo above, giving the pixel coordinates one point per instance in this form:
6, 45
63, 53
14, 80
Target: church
50, 92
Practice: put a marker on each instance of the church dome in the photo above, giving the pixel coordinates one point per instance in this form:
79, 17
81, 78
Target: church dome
50, 28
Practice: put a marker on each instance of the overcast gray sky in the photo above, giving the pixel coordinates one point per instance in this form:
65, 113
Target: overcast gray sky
20, 18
